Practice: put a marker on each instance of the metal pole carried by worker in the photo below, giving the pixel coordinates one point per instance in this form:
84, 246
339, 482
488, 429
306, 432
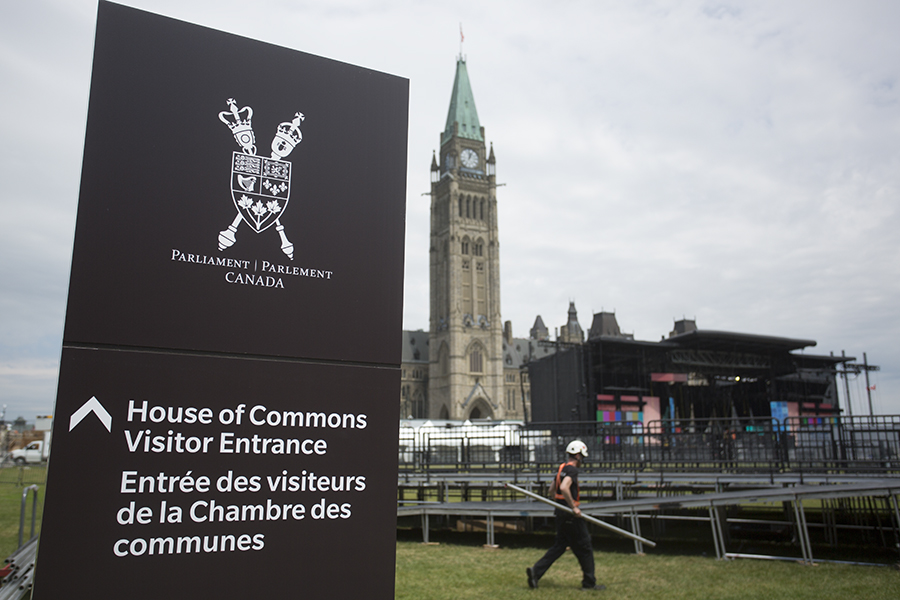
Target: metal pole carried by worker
587, 518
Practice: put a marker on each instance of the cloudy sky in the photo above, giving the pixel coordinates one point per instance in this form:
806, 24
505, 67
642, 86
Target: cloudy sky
733, 162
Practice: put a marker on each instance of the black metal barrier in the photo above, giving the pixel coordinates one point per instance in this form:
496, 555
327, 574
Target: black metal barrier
798, 444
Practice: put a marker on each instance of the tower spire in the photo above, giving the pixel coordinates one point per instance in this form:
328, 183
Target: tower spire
462, 113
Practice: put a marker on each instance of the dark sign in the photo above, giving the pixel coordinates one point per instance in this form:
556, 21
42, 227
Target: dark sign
226, 420
237, 197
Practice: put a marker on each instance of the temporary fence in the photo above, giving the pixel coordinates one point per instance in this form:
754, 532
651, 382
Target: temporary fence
797, 444
23, 475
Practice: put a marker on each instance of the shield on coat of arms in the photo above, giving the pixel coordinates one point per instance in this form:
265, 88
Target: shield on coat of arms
260, 188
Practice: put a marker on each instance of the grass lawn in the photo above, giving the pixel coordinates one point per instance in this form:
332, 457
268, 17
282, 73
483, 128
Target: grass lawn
447, 571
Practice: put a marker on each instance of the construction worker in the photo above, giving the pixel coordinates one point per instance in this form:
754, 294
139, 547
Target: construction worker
571, 529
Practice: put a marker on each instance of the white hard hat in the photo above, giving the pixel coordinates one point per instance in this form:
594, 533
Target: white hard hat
577, 447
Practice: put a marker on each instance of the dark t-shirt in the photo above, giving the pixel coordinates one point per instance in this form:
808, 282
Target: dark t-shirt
568, 470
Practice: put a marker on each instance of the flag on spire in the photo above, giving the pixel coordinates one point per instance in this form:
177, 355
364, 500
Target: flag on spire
462, 38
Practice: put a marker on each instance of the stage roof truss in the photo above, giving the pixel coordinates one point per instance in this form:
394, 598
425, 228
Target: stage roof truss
720, 360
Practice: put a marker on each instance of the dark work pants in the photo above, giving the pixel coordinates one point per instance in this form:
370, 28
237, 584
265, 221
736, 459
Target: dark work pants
572, 532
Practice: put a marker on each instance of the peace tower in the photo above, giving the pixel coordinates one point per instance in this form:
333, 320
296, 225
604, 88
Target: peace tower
466, 368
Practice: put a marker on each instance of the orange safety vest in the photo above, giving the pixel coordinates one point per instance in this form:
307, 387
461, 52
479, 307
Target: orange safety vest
559, 495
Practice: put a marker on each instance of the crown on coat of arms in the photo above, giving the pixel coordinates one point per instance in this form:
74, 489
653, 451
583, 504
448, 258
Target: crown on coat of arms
287, 136
239, 123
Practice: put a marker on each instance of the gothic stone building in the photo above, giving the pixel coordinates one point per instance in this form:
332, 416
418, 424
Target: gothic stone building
468, 365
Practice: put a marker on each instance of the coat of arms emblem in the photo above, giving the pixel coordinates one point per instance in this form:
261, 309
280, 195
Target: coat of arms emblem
260, 186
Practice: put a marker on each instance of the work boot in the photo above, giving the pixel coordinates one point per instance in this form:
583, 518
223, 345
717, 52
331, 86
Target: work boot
532, 580
598, 587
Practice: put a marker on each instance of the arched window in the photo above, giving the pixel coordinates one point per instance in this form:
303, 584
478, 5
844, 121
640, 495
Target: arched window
468, 206
476, 361
482, 209
465, 279
460, 207
480, 289
417, 406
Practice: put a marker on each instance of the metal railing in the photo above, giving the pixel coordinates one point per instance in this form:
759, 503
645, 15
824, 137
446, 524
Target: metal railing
34, 509
17, 583
869, 445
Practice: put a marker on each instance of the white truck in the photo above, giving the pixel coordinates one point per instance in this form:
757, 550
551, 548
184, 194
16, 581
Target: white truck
36, 452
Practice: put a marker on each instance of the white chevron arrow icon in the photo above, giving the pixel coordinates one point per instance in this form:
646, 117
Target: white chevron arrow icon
91, 406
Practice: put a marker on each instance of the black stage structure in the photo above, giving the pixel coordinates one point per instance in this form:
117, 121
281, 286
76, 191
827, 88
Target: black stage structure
697, 375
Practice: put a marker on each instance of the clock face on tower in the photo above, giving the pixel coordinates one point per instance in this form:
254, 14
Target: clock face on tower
469, 158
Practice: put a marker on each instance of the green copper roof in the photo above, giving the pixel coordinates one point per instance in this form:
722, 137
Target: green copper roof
462, 107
